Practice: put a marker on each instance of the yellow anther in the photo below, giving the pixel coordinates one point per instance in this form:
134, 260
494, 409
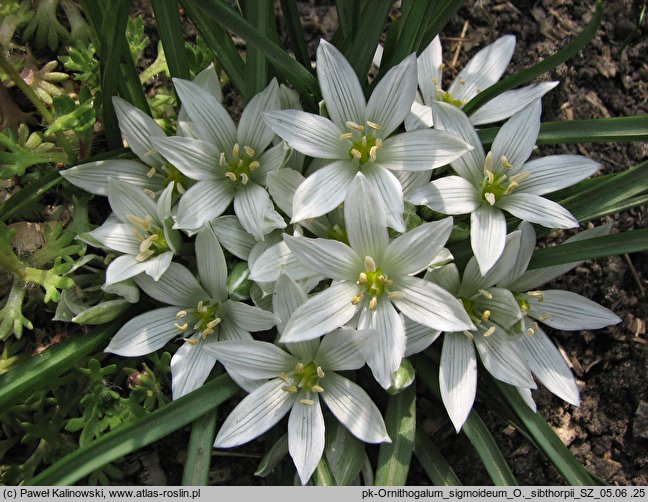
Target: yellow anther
289, 388
536, 294
395, 295
490, 198
191, 341
356, 299
214, 322
373, 303
283, 377
488, 162
181, 188
356, 153
384, 281
355, 127
206, 332
182, 327
151, 172
532, 330
346, 135
240, 163
253, 165
490, 176
435, 81
236, 150
249, 151
485, 294
468, 334
317, 388
374, 126
362, 279
379, 143
320, 372
462, 81
222, 161
299, 369
486, 315
372, 153
148, 192
370, 264
201, 307
504, 161
244, 178
231, 175
489, 331
512, 186
307, 402
144, 255
181, 314
520, 177
545, 317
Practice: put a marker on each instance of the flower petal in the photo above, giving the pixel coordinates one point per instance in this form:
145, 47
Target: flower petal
447, 195
555, 172
145, 333
430, 305
122, 268
484, 69
195, 158
536, 209
157, 265
388, 344
506, 104
252, 130
353, 407
458, 377
272, 160
126, 200
323, 190
413, 251
487, 236
446, 276
421, 150
388, 190
255, 211
449, 118
248, 317
549, 366
419, 117
232, 236
322, 313
212, 267
429, 65
191, 365
340, 87
202, 202
309, 134
517, 137
391, 100
275, 260
503, 307
117, 236
138, 129
306, 437
366, 222
569, 311
344, 349
334, 258
516, 266
418, 337
213, 123
93, 177
253, 359
177, 286
253, 416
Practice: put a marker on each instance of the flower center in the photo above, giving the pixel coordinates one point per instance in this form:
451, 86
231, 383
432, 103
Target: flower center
446, 97
303, 377
151, 237
171, 174
240, 164
496, 185
373, 282
364, 147
206, 316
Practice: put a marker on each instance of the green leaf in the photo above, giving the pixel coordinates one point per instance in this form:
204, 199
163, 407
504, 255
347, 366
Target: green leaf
40, 371
138, 433
32, 192
433, 461
198, 461
604, 130
273, 456
394, 458
169, 27
348, 12
443, 11
295, 31
344, 452
260, 15
323, 476
607, 245
528, 74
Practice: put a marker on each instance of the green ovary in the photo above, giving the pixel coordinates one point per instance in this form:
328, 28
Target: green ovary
240, 165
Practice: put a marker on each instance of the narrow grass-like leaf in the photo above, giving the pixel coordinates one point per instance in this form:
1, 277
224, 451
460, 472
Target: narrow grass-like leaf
323, 475
605, 130
348, 13
474, 429
607, 245
345, 453
528, 74
201, 441
433, 462
169, 27
394, 458
221, 44
273, 456
29, 194
140, 432
38, 372
216, 11
295, 31
443, 11
259, 15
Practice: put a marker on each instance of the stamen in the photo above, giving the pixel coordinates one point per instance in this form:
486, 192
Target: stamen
181, 188
462, 81
352, 125
222, 161
181, 314
373, 303
504, 161
240, 163
283, 377
362, 279
520, 177
236, 150
289, 388
249, 151
307, 402
372, 153
320, 372
395, 295
384, 281
206, 332
468, 335
512, 186
486, 294
490, 198
346, 135
151, 172
213, 323
182, 327
231, 175
379, 143
144, 255
536, 294
148, 192
532, 330
545, 316
374, 126
370, 264
490, 176
244, 178
489, 331
299, 369
317, 388
486, 315
253, 165
201, 308
356, 153
191, 341
357, 299
488, 162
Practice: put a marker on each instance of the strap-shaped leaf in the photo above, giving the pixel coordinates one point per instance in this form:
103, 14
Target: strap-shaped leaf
295, 31
394, 458
140, 432
261, 16
443, 11
433, 462
543, 66
169, 27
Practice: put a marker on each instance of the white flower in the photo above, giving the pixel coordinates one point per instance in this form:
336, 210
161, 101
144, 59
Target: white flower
228, 163
141, 229
499, 324
202, 315
503, 180
355, 139
483, 70
372, 277
298, 378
